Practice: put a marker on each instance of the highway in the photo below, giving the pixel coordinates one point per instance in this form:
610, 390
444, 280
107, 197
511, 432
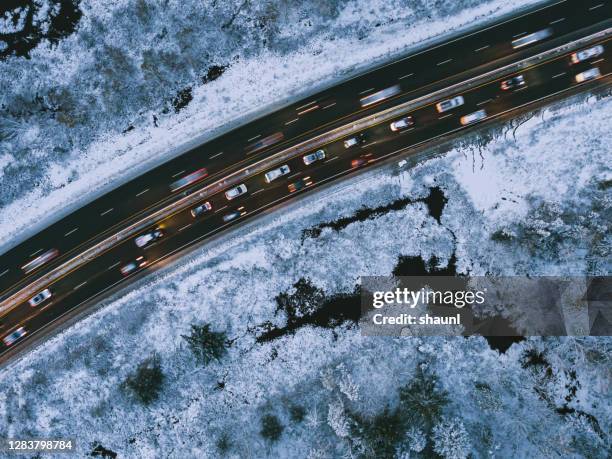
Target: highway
472, 66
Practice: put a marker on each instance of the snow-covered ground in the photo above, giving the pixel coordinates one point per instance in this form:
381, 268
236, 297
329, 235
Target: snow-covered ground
62, 123
543, 188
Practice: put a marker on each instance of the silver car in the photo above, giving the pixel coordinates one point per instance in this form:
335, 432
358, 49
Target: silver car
14, 336
233, 193
231, 216
473, 117
587, 75
312, 157
449, 104
148, 238
402, 123
276, 173
39, 297
585, 54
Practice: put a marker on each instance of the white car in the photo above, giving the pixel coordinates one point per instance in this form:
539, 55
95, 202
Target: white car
589, 74
39, 297
358, 139
585, 54
449, 104
532, 38
312, 157
402, 123
14, 336
473, 117
276, 173
233, 193
147, 238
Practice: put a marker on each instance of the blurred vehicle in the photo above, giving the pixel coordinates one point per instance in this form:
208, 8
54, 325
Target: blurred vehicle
231, 216
590, 74
380, 95
512, 83
359, 139
473, 117
188, 179
532, 38
264, 143
585, 54
132, 266
201, 209
14, 336
449, 104
312, 157
148, 238
299, 184
276, 173
233, 193
402, 123
358, 162
39, 297
40, 260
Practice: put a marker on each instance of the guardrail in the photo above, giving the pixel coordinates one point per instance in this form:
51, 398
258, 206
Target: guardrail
276, 159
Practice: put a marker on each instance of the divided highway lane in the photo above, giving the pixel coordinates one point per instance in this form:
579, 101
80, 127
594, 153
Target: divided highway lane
541, 81
417, 72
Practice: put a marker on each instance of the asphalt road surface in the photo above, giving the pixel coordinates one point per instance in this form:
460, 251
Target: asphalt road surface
410, 77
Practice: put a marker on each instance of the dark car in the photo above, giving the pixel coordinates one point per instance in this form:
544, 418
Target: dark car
201, 209
513, 83
299, 184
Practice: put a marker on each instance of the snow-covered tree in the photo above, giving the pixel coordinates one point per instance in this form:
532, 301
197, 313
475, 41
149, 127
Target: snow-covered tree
451, 439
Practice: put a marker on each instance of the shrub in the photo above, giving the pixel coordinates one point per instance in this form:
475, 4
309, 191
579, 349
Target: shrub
146, 382
271, 428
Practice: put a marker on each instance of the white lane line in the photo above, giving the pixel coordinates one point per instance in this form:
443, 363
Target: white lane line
107, 211
38, 251
71, 231
403, 131
484, 102
184, 227
214, 156
556, 20
220, 209
142, 192
79, 286
314, 107
518, 34
444, 62
292, 121
445, 116
178, 173
558, 75
369, 144
330, 105
293, 175
306, 105
480, 49
258, 191
598, 60
331, 159
594, 7
405, 76
367, 90
253, 138
113, 266
521, 89
4, 272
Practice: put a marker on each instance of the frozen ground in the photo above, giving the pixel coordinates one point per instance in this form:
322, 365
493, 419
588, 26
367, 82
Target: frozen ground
531, 201
106, 93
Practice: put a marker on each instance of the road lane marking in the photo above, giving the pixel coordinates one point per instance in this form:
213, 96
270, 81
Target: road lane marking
292, 121
113, 266
107, 211
480, 49
314, 107
330, 105
484, 102
521, 89
4, 272
220, 209
405, 76
598, 60
444, 62
556, 20
71, 231
214, 156
558, 75
403, 131
445, 116
258, 191
331, 159
184, 227
37, 252
367, 90
367, 145
293, 175
253, 138
79, 286
518, 34
178, 173
142, 192
305, 105
594, 7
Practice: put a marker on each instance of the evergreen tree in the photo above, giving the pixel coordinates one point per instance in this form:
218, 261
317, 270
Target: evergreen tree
206, 345
146, 382
450, 439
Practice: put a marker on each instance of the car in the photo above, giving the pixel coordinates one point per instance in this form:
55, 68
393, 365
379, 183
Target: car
202, 208
148, 238
233, 193
587, 75
276, 173
449, 104
532, 38
585, 54
231, 216
402, 123
299, 184
358, 162
40, 260
14, 336
512, 83
312, 157
473, 117
359, 139
39, 297
132, 266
